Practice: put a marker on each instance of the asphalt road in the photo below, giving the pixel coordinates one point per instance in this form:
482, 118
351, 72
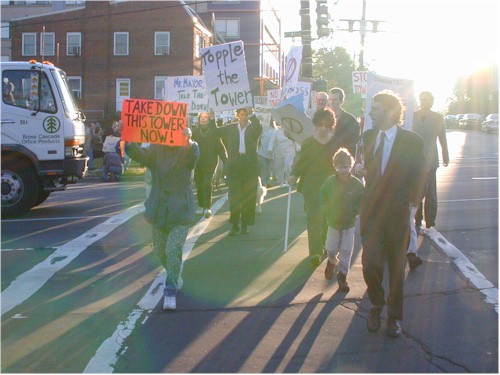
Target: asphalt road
81, 288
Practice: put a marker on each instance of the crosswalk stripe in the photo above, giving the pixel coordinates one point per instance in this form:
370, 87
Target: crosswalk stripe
107, 354
26, 284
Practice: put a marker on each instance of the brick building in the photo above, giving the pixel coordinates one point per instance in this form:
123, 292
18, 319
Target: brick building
258, 25
112, 50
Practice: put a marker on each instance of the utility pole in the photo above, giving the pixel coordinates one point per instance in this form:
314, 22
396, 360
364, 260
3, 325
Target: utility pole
305, 23
362, 30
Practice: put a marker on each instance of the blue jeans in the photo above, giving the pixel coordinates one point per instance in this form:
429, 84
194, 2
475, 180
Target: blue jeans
90, 154
117, 171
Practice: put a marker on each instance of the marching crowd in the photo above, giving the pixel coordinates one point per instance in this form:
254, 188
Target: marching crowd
385, 175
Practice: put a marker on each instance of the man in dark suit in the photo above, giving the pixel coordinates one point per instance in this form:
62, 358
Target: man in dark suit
393, 168
346, 126
242, 168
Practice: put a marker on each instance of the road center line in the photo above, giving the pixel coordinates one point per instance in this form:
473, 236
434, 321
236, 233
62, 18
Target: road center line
26, 284
108, 353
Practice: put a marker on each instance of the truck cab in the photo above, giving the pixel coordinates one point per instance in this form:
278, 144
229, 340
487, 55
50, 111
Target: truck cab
42, 135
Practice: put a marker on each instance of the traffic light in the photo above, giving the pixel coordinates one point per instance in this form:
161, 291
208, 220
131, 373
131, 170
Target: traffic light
322, 18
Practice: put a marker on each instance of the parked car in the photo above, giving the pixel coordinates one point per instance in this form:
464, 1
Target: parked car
450, 121
458, 118
470, 121
490, 123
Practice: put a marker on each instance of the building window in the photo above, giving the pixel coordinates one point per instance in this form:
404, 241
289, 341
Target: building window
5, 30
47, 44
73, 44
29, 44
160, 89
162, 43
228, 27
121, 44
75, 85
198, 46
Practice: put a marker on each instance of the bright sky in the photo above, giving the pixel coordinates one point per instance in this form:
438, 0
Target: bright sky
430, 41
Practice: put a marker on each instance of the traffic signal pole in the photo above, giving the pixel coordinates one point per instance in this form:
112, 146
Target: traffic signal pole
305, 23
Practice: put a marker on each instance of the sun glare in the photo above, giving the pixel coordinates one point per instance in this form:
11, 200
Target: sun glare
433, 42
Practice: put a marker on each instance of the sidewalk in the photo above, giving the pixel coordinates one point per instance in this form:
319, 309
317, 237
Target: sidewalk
247, 306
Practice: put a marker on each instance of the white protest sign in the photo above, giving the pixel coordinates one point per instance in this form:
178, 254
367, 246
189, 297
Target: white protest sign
262, 113
273, 98
300, 87
298, 125
260, 100
292, 67
109, 144
359, 80
225, 72
402, 87
188, 89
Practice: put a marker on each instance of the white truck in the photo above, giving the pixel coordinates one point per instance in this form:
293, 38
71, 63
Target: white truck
42, 135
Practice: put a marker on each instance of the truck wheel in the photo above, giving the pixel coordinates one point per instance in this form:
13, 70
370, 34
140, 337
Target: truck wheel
42, 197
20, 189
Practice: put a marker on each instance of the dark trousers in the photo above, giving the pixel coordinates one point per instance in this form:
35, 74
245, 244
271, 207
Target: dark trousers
317, 225
242, 177
386, 241
429, 207
203, 180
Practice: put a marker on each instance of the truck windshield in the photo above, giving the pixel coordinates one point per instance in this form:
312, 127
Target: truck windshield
70, 106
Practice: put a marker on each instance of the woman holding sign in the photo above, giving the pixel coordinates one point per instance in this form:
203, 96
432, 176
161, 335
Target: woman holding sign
170, 205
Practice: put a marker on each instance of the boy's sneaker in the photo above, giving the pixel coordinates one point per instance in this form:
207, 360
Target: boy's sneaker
207, 212
330, 267
169, 303
199, 211
343, 284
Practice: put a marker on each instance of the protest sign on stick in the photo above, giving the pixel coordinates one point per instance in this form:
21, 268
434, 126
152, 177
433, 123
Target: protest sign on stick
359, 79
292, 67
298, 125
188, 89
225, 72
154, 121
402, 87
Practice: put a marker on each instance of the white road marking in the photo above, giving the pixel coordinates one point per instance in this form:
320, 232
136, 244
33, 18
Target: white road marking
468, 200
485, 178
26, 284
31, 249
469, 271
108, 353
54, 218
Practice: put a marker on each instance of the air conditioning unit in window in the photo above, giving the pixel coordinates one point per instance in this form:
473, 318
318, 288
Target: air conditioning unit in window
73, 50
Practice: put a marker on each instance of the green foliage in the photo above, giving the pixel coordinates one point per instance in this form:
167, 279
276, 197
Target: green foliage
477, 93
336, 67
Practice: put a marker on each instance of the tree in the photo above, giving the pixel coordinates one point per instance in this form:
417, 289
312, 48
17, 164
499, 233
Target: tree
477, 93
336, 67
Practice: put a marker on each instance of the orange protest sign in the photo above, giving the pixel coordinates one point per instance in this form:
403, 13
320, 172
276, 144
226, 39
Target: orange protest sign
154, 121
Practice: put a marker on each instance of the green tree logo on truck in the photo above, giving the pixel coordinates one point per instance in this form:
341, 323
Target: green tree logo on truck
51, 124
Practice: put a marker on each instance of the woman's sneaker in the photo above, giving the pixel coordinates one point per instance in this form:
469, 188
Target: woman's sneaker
207, 212
199, 211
